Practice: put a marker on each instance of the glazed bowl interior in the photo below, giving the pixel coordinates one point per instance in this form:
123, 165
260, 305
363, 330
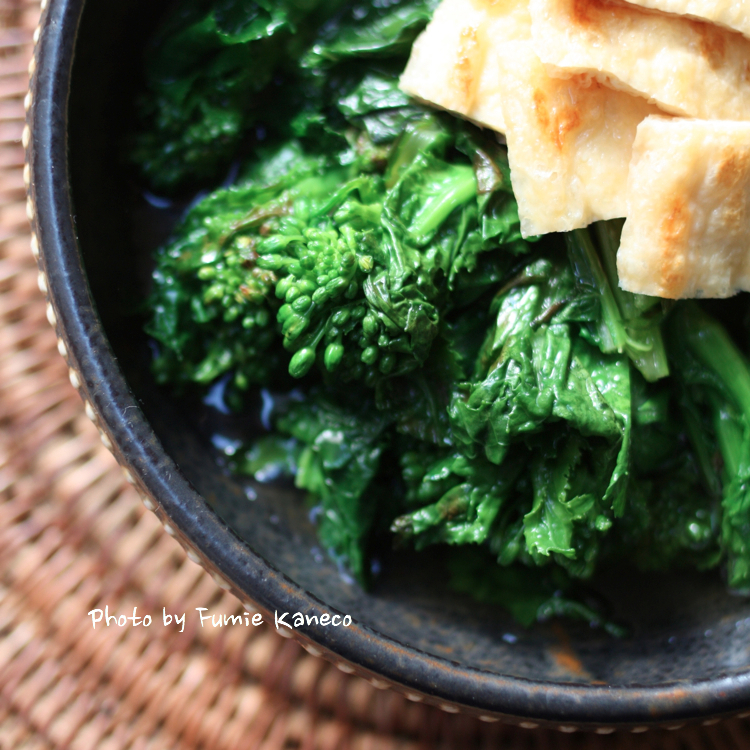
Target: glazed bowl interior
687, 633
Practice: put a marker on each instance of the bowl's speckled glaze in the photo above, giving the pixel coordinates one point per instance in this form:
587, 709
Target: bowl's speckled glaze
688, 658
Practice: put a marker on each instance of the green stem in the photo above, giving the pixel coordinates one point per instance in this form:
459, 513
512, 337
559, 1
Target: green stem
699, 441
588, 269
340, 195
711, 344
729, 435
424, 136
460, 188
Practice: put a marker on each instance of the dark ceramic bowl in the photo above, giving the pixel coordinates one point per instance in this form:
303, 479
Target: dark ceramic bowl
688, 657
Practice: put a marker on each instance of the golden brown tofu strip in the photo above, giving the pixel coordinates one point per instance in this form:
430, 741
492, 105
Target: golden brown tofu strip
569, 143
453, 64
687, 67
688, 228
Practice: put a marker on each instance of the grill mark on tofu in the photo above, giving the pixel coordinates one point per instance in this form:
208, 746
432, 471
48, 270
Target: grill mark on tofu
592, 13
734, 167
711, 42
673, 234
587, 12
556, 116
466, 70
733, 179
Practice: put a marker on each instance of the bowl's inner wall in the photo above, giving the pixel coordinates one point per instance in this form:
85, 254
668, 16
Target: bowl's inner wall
684, 626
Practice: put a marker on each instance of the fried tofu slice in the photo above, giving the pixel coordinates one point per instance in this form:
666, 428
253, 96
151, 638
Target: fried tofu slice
687, 232
731, 14
686, 67
453, 64
569, 143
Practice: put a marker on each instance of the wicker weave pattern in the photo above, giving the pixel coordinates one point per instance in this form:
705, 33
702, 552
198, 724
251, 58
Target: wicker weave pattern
74, 537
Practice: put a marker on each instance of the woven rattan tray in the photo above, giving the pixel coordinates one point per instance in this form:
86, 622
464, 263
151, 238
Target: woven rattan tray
74, 537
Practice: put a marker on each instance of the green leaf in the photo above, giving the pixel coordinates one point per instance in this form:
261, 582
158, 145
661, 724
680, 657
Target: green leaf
472, 491
340, 454
374, 92
530, 595
548, 527
380, 33
269, 457
716, 379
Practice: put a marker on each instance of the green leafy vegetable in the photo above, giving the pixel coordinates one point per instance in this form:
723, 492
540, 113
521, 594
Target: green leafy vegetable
456, 384
341, 448
715, 380
213, 64
529, 596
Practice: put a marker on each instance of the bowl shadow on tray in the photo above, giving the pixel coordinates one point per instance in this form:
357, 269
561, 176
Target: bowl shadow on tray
683, 627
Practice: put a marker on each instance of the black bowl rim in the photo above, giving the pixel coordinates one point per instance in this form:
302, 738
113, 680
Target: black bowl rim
95, 373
